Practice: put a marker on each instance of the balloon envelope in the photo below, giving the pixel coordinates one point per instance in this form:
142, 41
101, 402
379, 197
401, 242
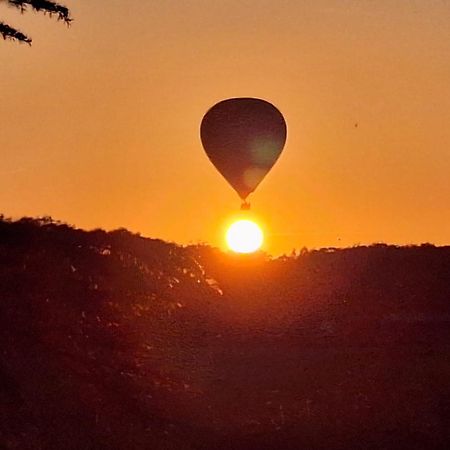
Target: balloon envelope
243, 138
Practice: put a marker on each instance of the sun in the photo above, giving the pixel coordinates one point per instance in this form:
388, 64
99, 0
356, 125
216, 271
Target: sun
244, 236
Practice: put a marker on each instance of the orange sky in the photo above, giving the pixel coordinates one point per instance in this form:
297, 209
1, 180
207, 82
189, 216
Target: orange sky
99, 123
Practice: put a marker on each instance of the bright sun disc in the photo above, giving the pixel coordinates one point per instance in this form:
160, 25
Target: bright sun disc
244, 236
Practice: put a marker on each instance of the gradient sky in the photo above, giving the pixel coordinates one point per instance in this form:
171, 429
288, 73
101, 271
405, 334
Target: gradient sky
99, 123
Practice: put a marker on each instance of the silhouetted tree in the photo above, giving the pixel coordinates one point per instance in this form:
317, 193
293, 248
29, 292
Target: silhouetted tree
46, 6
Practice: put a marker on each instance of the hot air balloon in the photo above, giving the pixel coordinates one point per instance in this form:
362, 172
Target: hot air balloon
243, 138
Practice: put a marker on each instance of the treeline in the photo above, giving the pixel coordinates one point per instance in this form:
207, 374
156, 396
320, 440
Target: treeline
109, 340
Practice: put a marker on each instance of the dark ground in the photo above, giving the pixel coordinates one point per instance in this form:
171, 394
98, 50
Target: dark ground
113, 341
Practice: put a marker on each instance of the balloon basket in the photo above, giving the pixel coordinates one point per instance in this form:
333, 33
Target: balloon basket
245, 206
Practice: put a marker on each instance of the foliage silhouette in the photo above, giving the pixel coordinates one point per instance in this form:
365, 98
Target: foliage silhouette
110, 341
45, 6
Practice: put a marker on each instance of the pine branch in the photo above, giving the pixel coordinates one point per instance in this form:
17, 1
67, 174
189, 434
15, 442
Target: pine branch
8, 32
46, 6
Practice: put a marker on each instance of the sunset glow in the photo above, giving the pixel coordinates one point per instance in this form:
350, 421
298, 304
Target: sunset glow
363, 87
244, 236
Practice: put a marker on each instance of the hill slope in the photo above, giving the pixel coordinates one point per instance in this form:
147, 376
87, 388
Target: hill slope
113, 341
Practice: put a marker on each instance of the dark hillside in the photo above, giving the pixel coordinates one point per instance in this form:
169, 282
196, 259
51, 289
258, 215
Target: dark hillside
114, 341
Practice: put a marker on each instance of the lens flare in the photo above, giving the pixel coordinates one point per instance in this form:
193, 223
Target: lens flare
244, 236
